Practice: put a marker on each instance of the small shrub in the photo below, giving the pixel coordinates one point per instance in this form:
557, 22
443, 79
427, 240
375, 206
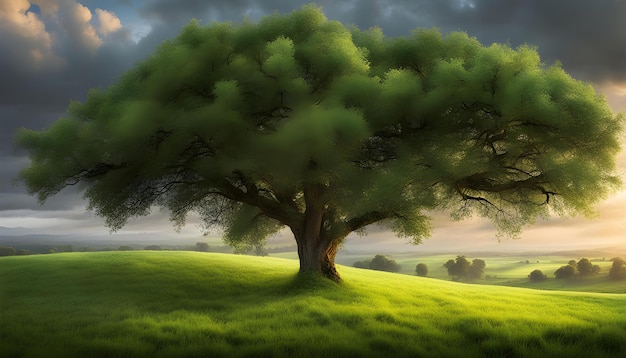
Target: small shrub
125, 248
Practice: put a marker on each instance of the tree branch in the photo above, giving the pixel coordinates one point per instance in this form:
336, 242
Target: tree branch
366, 219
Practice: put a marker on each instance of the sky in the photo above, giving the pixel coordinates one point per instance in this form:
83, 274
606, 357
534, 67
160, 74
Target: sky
53, 51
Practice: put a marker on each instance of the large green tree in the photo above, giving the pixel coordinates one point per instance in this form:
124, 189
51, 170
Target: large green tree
300, 122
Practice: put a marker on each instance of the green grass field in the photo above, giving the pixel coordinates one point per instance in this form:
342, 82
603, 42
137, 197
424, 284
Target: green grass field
171, 304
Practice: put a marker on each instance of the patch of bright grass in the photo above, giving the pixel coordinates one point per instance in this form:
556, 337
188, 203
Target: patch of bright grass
170, 304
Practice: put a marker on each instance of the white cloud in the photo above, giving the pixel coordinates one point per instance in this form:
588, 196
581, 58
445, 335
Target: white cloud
14, 14
47, 7
76, 20
33, 40
25, 34
108, 22
140, 31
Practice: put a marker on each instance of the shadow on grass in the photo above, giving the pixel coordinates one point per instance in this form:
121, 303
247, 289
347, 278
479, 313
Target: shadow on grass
308, 282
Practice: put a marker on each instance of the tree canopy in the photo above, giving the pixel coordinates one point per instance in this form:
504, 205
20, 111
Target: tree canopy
300, 122
537, 275
566, 271
585, 267
462, 268
618, 269
384, 263
421, 269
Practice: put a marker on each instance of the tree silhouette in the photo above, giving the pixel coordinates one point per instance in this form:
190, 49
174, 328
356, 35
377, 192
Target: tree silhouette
563, 272
618, 269
457, 267
476, 269
537, 275
585, 267
421, 269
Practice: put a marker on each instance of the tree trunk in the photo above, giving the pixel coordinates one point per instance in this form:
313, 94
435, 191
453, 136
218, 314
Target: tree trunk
318, 256
316, 249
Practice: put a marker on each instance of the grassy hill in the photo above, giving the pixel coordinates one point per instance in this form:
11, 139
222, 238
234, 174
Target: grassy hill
170, 304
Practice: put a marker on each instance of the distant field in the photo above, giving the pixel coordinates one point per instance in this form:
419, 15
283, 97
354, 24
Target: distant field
510, 270
171, 304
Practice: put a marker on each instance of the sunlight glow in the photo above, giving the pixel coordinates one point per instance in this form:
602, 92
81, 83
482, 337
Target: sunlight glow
615, 93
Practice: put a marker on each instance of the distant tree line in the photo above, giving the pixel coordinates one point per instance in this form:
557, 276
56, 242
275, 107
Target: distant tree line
582, 268
11, 251
459, 268
199, 246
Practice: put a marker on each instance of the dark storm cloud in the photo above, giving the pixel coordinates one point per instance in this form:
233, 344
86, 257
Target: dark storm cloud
63, 74
18, 201
181, 11
588, 37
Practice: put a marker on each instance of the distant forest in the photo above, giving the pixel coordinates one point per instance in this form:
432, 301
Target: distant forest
38, 248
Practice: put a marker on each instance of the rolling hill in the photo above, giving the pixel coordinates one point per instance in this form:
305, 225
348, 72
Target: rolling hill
170, 304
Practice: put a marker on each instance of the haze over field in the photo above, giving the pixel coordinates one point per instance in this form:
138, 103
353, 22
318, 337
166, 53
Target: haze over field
54, 51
